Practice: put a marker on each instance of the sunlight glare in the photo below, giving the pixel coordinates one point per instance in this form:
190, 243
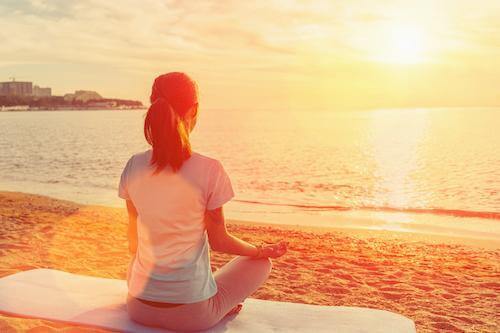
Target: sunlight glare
402, 44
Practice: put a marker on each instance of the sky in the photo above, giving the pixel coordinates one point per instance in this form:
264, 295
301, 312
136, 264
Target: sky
275, 54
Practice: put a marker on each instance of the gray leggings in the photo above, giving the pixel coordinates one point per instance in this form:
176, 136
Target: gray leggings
236, 280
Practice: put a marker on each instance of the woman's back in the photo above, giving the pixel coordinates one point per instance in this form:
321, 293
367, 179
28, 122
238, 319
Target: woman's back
172, 260
174, 200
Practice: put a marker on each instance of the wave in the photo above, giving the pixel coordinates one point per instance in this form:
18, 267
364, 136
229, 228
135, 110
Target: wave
434, 211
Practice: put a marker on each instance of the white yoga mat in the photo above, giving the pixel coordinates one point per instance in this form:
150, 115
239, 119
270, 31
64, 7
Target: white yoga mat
98, 302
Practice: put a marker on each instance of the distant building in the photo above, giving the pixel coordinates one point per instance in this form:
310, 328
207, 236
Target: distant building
82, 96
41, 92
16, 88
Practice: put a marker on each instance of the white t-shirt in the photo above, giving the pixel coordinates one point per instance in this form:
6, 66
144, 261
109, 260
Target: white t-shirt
172, 262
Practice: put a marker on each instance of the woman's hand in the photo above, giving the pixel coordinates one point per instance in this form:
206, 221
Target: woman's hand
272, 250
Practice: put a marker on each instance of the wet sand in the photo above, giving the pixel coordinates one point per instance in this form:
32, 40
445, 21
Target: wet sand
445, 284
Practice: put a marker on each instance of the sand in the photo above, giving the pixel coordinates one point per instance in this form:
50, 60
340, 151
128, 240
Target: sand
443, 284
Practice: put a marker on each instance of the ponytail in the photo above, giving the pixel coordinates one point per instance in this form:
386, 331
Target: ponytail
168, 136
172, 96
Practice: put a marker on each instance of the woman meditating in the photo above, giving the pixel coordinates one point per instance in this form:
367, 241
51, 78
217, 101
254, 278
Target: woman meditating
174, 198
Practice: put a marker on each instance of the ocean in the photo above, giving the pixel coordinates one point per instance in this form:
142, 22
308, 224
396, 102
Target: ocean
408, 167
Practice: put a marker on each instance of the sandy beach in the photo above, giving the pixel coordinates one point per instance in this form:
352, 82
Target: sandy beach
444, 284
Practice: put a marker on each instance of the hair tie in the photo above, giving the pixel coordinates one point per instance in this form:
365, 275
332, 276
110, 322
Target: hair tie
159, 99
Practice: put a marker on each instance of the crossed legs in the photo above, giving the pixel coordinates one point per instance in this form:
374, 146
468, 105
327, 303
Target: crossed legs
236, 280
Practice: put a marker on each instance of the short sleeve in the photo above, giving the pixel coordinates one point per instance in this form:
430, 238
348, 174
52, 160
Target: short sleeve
220, 189
123, 186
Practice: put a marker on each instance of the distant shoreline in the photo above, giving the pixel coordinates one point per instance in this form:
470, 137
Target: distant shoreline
73, 109
83, 100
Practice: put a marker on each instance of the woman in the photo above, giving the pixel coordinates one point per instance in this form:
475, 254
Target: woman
174, 198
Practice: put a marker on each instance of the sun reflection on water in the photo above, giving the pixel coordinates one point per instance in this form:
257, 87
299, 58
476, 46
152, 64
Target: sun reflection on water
396, 144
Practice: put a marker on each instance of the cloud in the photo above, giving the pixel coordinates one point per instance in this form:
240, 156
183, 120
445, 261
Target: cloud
225, 41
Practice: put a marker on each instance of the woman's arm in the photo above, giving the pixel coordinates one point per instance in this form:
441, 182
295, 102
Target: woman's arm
132, 227
222, 241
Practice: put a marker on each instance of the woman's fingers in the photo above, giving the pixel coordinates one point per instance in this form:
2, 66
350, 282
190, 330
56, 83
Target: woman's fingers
281, 250
274, 250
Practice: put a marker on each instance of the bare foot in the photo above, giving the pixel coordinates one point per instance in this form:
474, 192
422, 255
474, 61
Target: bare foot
235, 310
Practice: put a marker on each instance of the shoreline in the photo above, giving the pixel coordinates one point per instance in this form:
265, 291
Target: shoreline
454, 230
389, 234
443, 284
75, 109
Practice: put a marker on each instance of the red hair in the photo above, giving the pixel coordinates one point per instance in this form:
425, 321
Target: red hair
172, 96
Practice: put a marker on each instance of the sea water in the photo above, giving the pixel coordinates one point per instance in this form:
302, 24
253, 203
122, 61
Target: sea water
410, 166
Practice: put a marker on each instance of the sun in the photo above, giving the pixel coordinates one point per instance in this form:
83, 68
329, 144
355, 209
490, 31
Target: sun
401, 44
